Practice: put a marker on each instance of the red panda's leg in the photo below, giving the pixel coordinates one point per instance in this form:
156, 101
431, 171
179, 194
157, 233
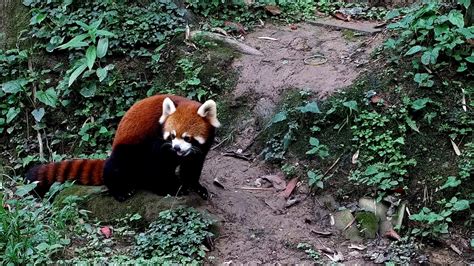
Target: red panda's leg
120, 171
190, 172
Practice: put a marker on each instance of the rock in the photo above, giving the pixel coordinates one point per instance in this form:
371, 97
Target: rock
263, 110
368, 224
397, 220
342, 219
106, 209
370, 205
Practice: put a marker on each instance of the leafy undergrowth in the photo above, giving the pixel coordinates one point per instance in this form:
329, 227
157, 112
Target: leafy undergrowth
404, 131
43, 232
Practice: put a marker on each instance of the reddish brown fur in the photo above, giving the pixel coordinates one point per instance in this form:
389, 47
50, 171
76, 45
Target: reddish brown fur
182, 122
141, 121
85, 172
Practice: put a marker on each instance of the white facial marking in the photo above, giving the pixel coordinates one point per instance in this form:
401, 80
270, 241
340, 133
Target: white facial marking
174, 132
166, 135
200, 139
185, 134
184, 147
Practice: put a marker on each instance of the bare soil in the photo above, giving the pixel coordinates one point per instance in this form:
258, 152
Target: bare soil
256, 225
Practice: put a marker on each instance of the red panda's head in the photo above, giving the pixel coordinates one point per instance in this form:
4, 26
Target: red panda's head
188, 124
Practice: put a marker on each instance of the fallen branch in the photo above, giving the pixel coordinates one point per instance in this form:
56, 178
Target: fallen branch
234, 154
239, 46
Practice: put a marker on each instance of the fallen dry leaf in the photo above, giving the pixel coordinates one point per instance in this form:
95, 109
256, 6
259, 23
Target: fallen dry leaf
337, 257
274, 10
341, 16
267, 38
463, 101
106, 231
455, 147
455, 249
293, 27
289, 188
217, 183
392, 234
355, 157
358, 247
322, 233
277, 181
235, 26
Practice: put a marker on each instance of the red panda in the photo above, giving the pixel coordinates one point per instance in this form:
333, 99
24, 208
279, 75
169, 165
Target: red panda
160, 145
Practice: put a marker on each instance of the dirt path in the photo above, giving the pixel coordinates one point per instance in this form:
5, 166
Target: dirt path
257, 228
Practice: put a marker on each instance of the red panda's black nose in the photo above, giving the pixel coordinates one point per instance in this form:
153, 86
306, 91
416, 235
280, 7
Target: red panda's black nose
176, 148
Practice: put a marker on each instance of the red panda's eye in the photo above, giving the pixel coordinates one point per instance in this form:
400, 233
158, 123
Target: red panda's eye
172, 136
187, 139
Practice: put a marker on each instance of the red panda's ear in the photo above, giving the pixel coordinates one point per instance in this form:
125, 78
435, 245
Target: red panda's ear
208, 110
168, 109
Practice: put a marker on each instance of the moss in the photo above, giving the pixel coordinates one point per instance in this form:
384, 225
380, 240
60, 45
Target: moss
106, 209
368, 224
349, 35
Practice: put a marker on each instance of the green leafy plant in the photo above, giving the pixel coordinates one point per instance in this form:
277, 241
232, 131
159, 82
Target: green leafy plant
434, 34
33, 232
191, 83
309, 250
96, 49
384, 164
437, 223
177, 236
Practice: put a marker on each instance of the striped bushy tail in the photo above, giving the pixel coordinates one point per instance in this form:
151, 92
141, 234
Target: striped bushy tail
85, 172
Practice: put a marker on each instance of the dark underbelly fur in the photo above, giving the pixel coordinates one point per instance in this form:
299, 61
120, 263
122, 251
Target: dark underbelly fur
153, 166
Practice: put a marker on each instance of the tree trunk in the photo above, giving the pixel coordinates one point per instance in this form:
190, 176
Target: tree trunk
13, 19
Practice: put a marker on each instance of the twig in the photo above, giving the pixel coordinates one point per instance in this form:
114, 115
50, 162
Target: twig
256, 188
349, 224
223, 141
238, 155
332, 166
39, 137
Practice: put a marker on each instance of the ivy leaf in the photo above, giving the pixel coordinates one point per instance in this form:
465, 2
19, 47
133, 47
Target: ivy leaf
392, 14
412, 124
352, 105
456, 18
420, 103
101, 73
14, 86
465, 3
12, 113
415, 49
426, 58
281, 116
311, 107
91, 55
38, 114
25, 189
314, 141
37, 18
470, 59
102, 46
89, 91
76, 73
48, 97
451, 182
461, 205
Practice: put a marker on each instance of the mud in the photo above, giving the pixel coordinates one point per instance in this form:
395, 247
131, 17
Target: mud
257, 228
